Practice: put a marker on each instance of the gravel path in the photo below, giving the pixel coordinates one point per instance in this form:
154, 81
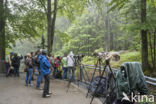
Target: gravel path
13, 91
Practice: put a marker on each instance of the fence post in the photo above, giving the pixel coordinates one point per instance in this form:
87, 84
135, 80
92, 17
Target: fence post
81, 73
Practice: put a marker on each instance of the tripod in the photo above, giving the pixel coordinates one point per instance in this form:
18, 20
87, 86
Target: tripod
82, 70
108, 94
98, 63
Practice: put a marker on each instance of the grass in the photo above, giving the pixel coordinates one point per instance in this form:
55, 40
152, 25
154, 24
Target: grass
127, 57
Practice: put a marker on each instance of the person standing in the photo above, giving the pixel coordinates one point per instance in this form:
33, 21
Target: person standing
39, 57
51, 60
29, 69
16, 63
71, 65
57, 62
32, 56
45, 70
7, 64
64, 67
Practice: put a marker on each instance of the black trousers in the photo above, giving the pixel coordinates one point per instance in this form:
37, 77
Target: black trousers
46, 85
16, 71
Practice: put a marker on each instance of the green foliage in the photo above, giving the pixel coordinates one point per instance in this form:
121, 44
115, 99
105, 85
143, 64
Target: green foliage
127, 56
82, 26
23, 21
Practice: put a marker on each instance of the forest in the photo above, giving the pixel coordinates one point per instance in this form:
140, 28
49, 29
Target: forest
81, 26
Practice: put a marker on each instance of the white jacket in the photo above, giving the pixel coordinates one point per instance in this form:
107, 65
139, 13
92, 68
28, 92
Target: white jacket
70, 59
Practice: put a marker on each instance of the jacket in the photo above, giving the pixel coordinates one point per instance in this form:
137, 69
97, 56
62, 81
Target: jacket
64, 62
70, 60
16, 61
56, 62
29, 63
44, 65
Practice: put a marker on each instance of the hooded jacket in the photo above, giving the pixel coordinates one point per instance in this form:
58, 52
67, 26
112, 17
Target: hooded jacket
70, 60
44, 65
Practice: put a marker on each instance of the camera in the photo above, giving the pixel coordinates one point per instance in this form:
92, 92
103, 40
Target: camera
78, 58
115, 56
100, 55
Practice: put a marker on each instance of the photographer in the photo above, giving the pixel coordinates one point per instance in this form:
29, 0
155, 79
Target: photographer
70, 65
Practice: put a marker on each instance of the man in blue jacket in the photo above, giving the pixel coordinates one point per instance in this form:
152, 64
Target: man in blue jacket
45, 70
37, 59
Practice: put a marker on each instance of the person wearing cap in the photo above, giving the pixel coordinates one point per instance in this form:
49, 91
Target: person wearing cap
45, 70
40, 76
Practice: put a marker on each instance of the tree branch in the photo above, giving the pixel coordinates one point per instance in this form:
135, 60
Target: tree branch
57, 8
43, 5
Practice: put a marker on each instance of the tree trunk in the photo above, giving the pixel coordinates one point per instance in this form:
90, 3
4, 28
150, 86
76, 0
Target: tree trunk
111, 41
107, 34
144, 40
2, 35
154, 44
42, 42
151, 51
49, 26
53, 23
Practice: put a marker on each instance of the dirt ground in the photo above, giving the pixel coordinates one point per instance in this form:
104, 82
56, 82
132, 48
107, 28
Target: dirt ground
14, 91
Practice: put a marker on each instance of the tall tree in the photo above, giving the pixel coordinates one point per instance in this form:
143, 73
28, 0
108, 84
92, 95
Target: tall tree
53, 23
144, 41
49, 26
51, 19
2, 35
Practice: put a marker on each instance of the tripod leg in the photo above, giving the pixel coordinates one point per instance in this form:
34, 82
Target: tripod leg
69, 82
112, 73
98, 84
100, 69
70, 79
86, 74
111, 89
91, 79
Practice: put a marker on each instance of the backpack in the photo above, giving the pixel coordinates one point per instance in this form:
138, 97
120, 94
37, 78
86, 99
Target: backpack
36, 60
101, 88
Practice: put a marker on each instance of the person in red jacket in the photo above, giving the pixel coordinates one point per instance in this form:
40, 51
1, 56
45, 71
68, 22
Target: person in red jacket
57, 62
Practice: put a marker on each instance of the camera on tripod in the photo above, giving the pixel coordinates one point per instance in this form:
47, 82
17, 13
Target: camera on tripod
78, 58
115, 56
